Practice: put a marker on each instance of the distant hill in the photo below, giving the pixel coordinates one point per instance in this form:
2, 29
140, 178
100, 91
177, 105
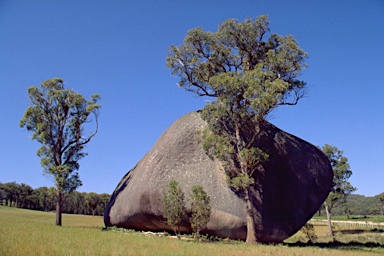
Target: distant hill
360, 205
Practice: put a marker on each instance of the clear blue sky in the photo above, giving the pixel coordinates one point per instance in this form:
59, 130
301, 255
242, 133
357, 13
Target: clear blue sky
118, 49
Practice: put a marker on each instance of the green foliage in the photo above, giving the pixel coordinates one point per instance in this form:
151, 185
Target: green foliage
201, 209
248, 76
309, 231
10, 192
341, 187
217, 145
381, 203
56, 118
92, 200
235, 49
241, 182
359, 205
174, 205
44, 199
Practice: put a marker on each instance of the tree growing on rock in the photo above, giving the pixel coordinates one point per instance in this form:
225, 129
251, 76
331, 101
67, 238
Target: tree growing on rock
201, 209
247, 76
174, 205
56, 118
341, 187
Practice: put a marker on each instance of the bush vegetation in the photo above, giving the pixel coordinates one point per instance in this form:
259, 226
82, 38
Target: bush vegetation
201, 209
174, 206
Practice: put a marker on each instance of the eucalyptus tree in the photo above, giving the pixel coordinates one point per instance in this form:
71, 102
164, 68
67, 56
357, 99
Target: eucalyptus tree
341, 187
245, 74
56, 117
381, 203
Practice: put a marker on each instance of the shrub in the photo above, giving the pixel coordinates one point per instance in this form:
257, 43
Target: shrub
174, 206
309, 231
201, 210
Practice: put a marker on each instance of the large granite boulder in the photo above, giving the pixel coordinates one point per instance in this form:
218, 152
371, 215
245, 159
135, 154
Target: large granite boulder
295, 183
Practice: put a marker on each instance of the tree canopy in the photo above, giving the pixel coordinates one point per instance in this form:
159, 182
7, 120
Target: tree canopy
56, 118
341, 187
247, 75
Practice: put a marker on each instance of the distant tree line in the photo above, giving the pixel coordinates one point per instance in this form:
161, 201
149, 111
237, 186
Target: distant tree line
44, 199
360, 205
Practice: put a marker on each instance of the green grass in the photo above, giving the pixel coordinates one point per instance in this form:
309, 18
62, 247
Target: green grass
25, 232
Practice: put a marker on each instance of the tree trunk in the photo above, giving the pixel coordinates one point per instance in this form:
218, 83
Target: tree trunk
177, 231
251, 225
58, 207
348, 215
329, 221
197, 235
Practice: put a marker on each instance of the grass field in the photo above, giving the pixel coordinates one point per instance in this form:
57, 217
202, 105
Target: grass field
26, 232
372, 218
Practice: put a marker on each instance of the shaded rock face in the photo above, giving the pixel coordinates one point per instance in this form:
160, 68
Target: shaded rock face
296, 180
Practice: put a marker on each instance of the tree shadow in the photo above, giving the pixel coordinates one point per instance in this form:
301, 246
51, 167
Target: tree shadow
335, 245
359, 231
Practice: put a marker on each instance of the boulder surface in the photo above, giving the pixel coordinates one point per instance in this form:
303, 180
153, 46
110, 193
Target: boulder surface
296, 180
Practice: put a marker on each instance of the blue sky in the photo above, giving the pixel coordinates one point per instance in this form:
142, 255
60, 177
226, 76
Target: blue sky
118, 48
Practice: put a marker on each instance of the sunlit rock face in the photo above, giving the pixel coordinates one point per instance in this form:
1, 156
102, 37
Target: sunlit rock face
295, 181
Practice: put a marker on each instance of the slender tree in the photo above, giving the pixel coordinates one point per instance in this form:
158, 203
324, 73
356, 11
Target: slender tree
381, 203
201, 209
341, 187
1, 193
247, 76
56, 118
174, 206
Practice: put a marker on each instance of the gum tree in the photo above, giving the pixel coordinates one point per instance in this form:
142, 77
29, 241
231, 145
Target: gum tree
341, 187
56, 117
245, 74
381, 203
